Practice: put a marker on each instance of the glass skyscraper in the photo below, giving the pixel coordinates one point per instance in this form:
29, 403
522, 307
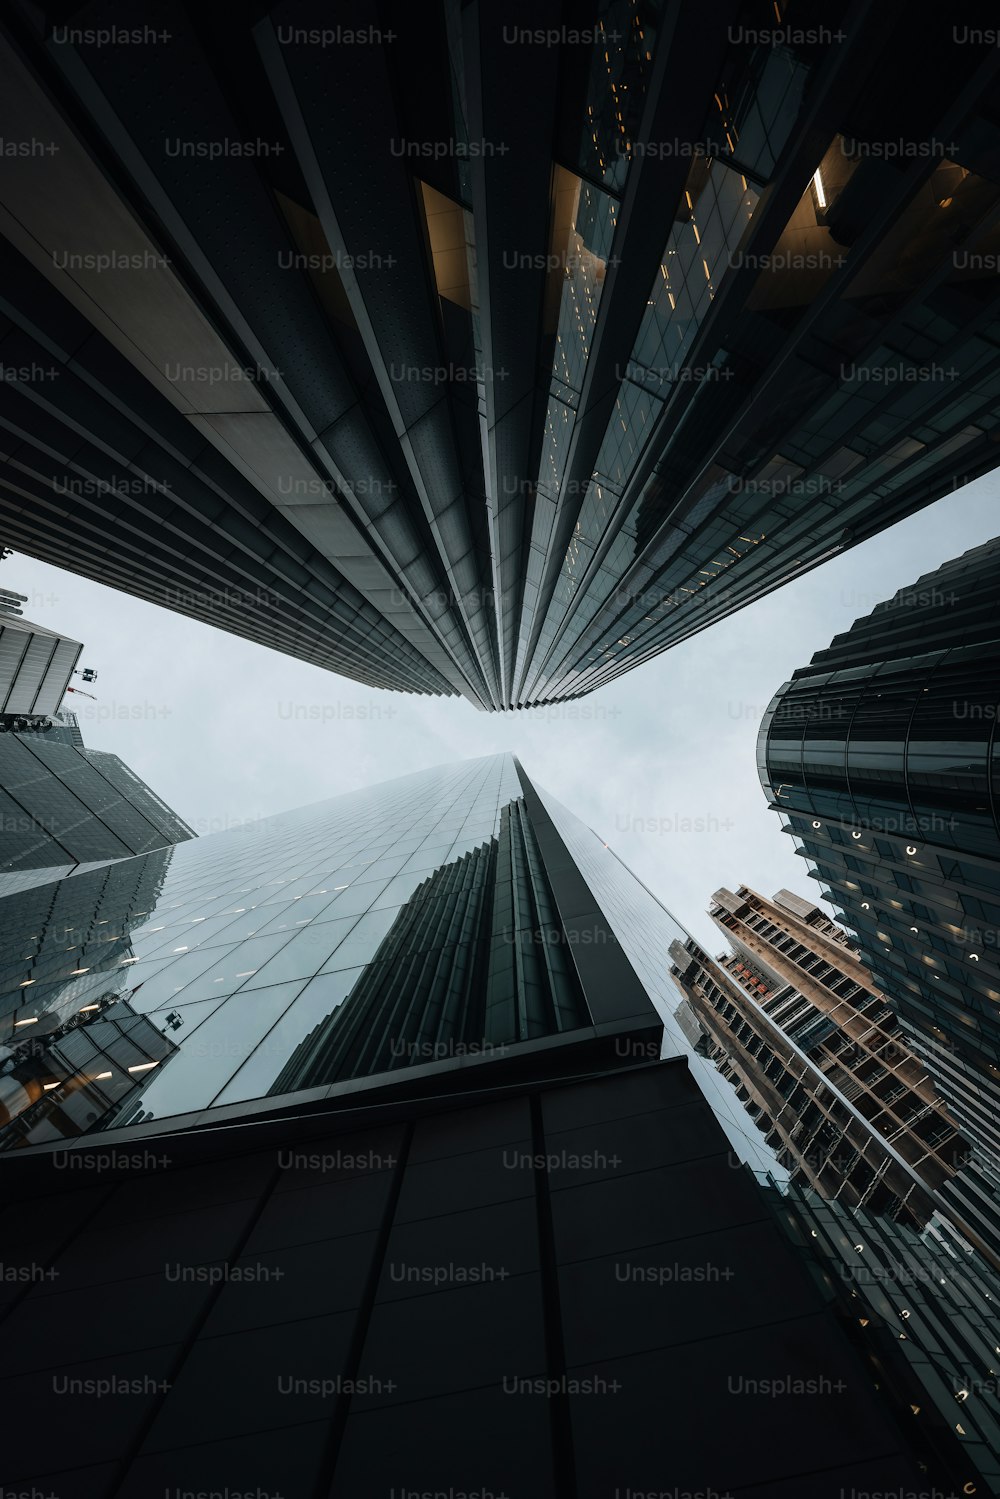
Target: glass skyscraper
63, 806
527, 349
358, 1149
880, 755
410, 924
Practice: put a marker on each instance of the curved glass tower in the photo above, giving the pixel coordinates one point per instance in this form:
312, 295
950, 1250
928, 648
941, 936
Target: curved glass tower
882, 757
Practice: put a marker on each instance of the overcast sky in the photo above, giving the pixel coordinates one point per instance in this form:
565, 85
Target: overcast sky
661, 763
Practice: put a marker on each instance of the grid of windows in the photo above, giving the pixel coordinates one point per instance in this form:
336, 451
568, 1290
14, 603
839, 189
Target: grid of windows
526, 410
881, 756
247, 940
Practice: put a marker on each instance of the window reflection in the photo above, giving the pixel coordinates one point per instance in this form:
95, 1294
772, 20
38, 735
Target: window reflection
621, 64
65, 1083
474, 961
219, 957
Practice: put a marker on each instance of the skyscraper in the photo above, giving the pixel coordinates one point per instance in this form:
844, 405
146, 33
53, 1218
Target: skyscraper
879, 755
792, 1018
358, 1116
63, 805
36, 666
456, 922
524, 351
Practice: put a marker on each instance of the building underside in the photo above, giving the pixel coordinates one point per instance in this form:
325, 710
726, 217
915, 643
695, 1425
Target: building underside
463, 350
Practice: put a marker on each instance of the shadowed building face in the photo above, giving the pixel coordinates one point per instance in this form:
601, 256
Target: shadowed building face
462, 352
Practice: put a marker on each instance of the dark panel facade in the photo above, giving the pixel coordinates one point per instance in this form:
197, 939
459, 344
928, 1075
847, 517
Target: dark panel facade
461, 349
534, 1295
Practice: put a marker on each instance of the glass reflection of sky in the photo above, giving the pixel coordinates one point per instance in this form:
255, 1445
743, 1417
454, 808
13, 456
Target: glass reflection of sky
185, 979
232, 946
645, 929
